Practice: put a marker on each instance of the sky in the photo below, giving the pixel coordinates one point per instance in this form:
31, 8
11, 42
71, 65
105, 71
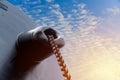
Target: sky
91, 31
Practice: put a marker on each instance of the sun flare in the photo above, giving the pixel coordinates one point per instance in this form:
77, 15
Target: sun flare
105, 71
99, 60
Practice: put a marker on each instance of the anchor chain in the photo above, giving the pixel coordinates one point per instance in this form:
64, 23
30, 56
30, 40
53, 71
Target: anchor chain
59, 58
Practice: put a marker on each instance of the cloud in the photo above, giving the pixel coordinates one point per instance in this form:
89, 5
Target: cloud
49, 0
84, 12
56, 6
90, 40
114, 10
81, 5
31, 2
86, 47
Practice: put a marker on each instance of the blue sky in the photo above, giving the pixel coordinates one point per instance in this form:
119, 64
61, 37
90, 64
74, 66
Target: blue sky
91, 30
37, 9
96, 6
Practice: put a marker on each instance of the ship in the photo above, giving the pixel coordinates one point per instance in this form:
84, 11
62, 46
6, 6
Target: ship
14, 22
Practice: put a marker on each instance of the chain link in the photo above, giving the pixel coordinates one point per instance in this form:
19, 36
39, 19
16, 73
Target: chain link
59, 58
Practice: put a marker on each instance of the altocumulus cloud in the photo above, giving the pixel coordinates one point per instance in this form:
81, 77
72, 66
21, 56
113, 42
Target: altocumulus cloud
91, 41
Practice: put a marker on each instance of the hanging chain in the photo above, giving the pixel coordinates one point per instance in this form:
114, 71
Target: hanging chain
60, 59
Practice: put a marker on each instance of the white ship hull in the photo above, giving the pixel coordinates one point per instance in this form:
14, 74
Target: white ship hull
12, 22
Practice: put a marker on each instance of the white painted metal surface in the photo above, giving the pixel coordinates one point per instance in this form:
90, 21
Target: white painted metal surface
12, 22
